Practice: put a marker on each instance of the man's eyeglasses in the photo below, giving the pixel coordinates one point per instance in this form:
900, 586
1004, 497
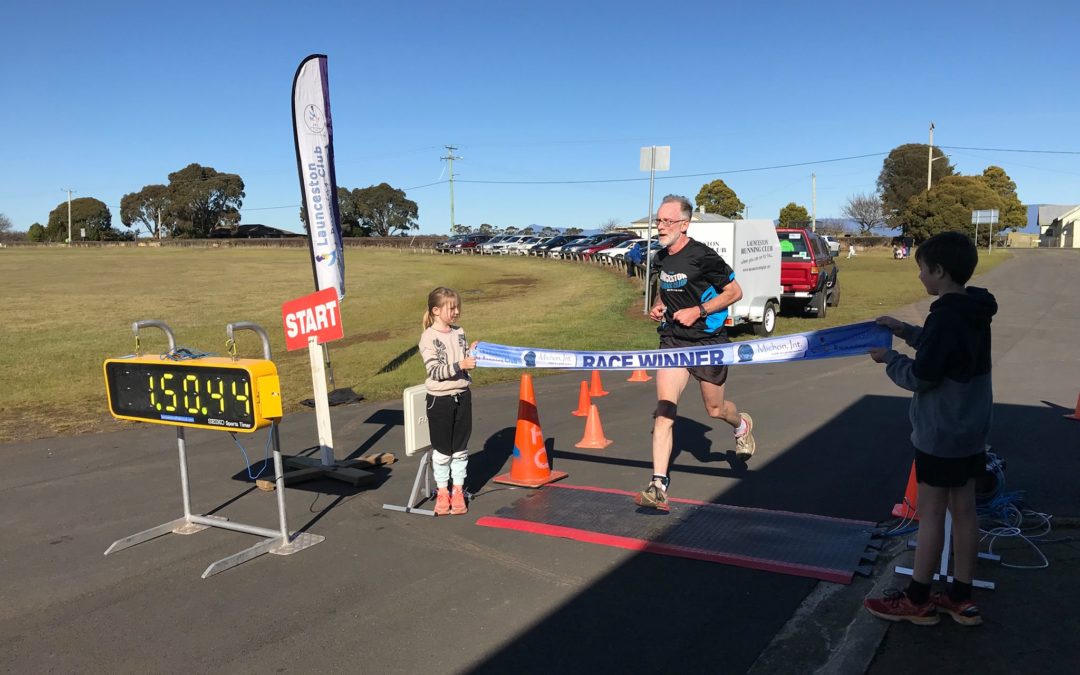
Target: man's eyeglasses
669, 223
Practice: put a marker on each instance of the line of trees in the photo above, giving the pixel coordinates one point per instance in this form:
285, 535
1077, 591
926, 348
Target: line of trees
200, 199
903, 200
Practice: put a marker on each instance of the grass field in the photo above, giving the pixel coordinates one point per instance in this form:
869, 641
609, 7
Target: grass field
66, 310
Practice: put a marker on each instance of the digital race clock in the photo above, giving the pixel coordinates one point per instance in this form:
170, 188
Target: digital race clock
207, 393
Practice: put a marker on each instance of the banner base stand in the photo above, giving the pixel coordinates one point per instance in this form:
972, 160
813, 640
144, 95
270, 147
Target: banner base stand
310, 468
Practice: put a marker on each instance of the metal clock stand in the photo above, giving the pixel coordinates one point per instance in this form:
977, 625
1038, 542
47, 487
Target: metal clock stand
278, 542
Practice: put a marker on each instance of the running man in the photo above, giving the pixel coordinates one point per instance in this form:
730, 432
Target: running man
696, 288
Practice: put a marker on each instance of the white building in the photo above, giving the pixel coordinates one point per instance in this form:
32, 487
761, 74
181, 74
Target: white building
1058, 225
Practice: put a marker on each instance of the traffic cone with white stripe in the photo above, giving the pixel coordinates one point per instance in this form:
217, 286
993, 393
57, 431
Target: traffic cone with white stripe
529, 465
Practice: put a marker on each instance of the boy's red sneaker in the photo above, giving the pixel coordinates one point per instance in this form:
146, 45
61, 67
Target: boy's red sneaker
442, 502
896, 606
457, 501
964, 612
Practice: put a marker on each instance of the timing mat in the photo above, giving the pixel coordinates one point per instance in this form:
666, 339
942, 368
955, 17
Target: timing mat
800, 544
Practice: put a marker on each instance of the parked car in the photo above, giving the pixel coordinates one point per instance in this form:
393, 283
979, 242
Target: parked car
551, 244
833, 243
581, 244
469, 243
534, 248
620, 249
569, 247
504, 246
604, 242
522, 246
808, 271
447, 245
488, 247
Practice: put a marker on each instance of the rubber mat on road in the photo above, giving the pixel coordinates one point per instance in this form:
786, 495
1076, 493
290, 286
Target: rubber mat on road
799, 544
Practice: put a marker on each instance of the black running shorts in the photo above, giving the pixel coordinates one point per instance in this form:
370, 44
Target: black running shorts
713, 374
948, 472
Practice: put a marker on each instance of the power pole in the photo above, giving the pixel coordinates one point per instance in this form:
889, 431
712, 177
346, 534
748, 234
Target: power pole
450, 157
930, 158
813, 202
68, 191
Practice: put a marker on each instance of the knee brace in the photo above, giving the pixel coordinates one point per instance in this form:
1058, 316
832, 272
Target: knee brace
666, 409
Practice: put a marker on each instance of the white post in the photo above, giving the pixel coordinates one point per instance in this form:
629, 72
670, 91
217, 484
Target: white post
653, 158
813, 202
648, 235
322, 403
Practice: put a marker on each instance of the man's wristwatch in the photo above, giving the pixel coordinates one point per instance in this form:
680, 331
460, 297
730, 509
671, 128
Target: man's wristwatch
704, 313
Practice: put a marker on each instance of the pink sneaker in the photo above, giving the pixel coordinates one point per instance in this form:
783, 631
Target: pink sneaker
442, 502
457, 501
896, 606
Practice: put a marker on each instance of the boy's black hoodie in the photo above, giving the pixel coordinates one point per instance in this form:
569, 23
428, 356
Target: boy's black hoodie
950, 375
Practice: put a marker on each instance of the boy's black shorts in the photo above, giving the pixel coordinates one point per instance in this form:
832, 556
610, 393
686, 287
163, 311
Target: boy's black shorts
714, 374
948, 472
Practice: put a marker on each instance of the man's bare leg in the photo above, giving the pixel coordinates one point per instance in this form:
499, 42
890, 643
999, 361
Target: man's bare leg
670, 383
717, 406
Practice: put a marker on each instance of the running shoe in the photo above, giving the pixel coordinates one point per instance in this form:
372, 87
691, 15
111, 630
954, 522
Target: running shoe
964, 612
457, 501
442, 502
896, 606
745, 445
652, 497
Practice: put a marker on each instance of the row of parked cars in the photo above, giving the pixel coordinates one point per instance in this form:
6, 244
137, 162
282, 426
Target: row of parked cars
609, 244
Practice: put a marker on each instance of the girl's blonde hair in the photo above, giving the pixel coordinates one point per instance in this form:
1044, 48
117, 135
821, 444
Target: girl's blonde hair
437, 298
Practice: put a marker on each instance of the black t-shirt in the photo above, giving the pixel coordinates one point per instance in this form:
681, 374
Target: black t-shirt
687, 279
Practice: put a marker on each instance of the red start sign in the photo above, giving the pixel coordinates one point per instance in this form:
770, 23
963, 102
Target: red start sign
317, 315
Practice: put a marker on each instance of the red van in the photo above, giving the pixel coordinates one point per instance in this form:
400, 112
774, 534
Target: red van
808, 272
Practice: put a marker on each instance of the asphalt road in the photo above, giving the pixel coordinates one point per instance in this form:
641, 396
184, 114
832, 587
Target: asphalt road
388, 592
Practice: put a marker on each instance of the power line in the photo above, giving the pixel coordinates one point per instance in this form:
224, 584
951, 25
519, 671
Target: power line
1039, 152
686, 175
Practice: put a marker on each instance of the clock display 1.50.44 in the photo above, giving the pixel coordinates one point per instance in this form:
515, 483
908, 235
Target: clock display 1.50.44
208, 393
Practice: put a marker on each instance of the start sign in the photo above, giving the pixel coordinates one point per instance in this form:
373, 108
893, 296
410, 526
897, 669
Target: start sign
317, 315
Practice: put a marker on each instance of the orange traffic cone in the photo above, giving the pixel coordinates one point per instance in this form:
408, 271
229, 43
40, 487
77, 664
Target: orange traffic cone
594, 432
583, 401
596, 389
640, 376
1075, 415
529, 466
909, 508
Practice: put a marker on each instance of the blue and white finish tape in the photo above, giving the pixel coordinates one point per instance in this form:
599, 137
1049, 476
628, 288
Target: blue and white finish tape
851, 340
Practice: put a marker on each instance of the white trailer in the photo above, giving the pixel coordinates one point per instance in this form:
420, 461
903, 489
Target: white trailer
752, 249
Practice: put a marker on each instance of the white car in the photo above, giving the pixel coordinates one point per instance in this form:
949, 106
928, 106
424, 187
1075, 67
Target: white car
620, 249
522, 246
491, 245
507, 245
834, 245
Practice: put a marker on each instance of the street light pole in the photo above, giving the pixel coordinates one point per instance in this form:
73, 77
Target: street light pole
451, 157
68, 191
930, 158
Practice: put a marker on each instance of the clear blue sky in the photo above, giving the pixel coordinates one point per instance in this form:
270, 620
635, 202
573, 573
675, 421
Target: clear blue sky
107, 97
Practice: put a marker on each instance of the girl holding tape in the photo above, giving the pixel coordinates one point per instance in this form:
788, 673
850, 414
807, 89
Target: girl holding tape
449, 401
